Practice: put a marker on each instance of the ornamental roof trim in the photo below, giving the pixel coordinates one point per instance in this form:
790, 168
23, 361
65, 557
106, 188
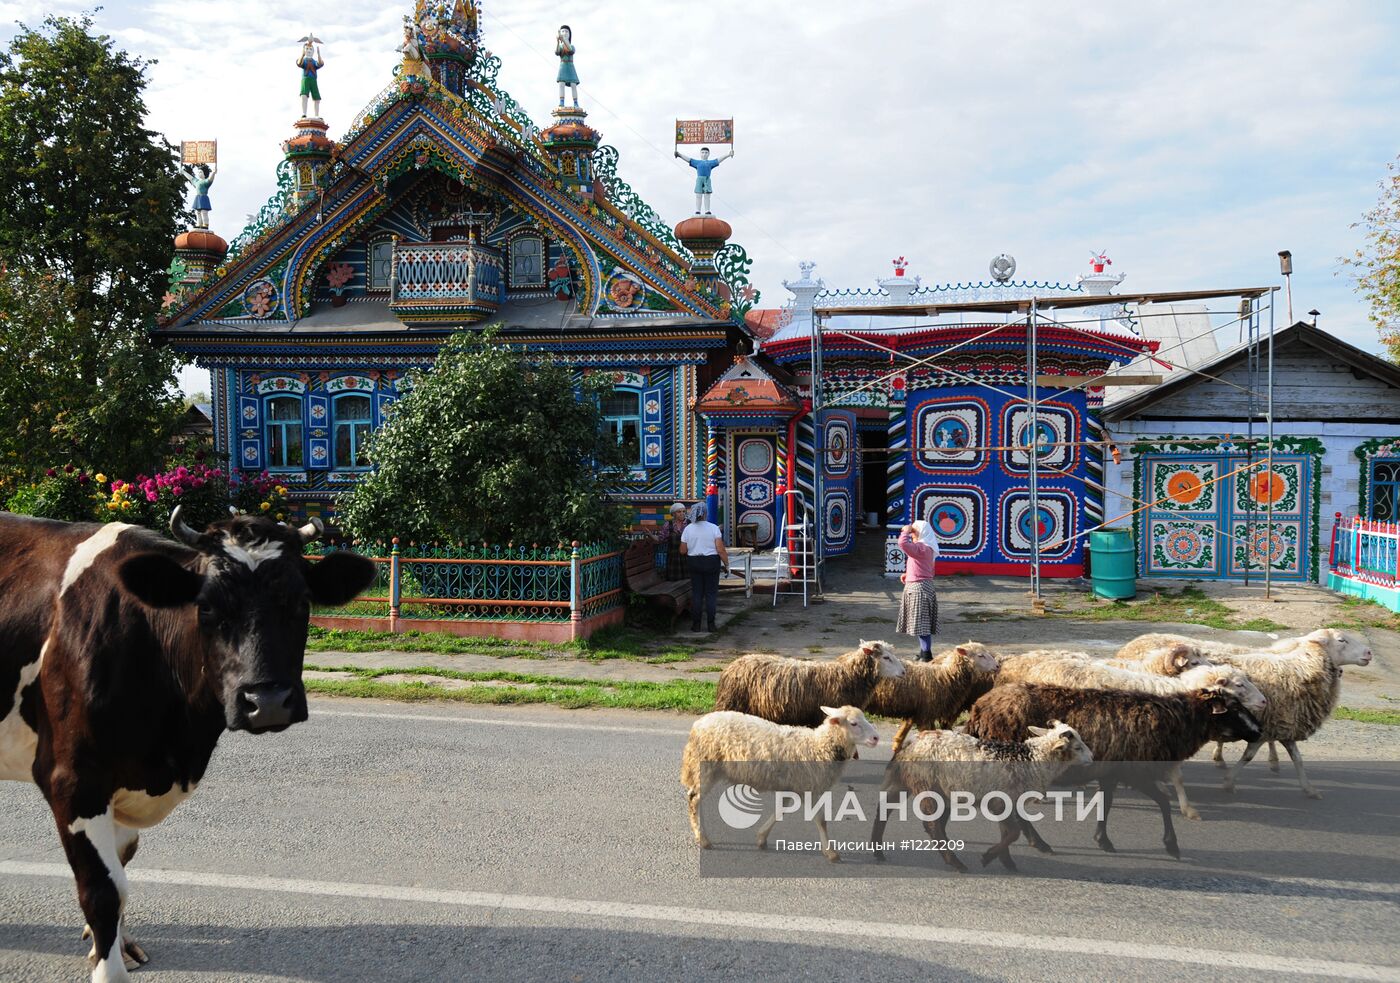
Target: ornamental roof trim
746, 387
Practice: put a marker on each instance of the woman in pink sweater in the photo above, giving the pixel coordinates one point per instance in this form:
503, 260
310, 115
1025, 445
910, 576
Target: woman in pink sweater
918, 608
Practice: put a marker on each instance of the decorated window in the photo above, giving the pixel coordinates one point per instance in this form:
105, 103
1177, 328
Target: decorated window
283, 431
622, 415
527, 261
380, 264
1385, 489
351, 414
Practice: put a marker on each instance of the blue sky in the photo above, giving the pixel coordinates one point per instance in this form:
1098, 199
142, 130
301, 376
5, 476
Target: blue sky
1191, 141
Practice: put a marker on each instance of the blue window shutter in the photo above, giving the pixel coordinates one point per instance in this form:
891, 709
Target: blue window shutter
384, 401
318, 432
653, 427
249, 435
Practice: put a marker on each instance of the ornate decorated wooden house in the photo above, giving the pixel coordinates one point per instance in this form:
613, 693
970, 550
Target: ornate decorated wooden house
900, 440
442, 208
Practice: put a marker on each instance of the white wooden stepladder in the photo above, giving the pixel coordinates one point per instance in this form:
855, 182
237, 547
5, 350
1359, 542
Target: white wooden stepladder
795, 561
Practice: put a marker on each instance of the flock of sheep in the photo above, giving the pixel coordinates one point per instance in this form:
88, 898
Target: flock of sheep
1128, 720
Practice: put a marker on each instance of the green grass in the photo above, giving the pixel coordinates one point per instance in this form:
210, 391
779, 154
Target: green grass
611, 643
1189, 606
1360, 614
348, 640
1391, 717
683, 695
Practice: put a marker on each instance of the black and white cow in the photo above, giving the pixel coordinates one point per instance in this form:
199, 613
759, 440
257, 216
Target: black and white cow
124, 656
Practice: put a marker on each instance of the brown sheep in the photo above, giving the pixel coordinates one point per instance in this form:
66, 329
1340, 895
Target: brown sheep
793, 691
932, 695
1154, 732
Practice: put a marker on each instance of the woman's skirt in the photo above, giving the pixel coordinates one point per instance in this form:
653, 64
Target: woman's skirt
918, 609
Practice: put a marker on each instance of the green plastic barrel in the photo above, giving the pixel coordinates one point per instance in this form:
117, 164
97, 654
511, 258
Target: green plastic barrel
1113, 569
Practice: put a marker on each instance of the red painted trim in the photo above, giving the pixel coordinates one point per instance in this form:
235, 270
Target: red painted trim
1055, 570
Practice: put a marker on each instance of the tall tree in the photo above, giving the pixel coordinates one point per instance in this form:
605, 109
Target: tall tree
90, 201
1376, 265
490, 447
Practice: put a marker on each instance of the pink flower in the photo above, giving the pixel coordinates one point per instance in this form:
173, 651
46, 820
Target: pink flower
68, 469
150, 496
198, 482
51, 473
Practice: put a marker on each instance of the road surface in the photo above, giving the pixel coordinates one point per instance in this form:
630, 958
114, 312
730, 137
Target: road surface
391, 842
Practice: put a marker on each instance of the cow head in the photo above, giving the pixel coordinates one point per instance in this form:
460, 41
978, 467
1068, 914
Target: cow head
253, 595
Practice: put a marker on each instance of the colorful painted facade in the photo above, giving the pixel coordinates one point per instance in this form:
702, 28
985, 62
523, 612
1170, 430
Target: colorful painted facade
445, 208
1335, 453
929, 420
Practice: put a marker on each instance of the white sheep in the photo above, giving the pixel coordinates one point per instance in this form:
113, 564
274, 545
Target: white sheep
742, 749
1302, 686
1076, 673
1346, 648
943, 762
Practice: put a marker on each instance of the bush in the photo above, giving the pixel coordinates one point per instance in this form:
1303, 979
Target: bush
260, 494
490, 446
66, 493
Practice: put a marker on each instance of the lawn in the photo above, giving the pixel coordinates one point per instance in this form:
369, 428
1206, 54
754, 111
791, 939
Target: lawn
683, 695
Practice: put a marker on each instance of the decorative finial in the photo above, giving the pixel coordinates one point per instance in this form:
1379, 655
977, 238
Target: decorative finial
310, 62
1100, 260
693, 131
900, 265
568, 76
1002, 268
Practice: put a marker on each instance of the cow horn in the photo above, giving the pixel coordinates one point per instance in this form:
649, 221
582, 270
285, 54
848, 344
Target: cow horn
181, 531
311, 531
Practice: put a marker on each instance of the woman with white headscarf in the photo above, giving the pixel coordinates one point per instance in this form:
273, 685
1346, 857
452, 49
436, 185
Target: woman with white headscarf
670, 534
918, 608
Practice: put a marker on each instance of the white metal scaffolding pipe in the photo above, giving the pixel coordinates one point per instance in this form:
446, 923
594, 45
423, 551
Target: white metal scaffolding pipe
1033, 448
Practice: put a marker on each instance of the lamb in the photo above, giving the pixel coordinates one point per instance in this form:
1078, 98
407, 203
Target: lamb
943, 762
1097, 675
1119, 726
933, 694
1345, 648
741, 749
1302, 686
793, 691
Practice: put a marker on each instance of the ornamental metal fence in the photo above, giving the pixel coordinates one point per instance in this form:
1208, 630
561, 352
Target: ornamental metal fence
1365, 559
551, 593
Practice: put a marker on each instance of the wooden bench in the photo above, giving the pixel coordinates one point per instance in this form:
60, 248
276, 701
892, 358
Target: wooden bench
642, 577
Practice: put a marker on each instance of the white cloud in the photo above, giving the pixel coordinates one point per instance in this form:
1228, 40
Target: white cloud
1191, 140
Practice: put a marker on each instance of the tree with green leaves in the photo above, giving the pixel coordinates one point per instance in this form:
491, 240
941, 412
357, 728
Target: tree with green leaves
494, 446
1376, 265
90, 202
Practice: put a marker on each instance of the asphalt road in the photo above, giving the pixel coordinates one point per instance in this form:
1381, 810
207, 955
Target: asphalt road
401, 842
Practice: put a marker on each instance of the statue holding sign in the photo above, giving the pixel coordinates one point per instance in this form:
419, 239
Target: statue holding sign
704, 187
203, 177
568, 75
695, 131
310, 62
199, 159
